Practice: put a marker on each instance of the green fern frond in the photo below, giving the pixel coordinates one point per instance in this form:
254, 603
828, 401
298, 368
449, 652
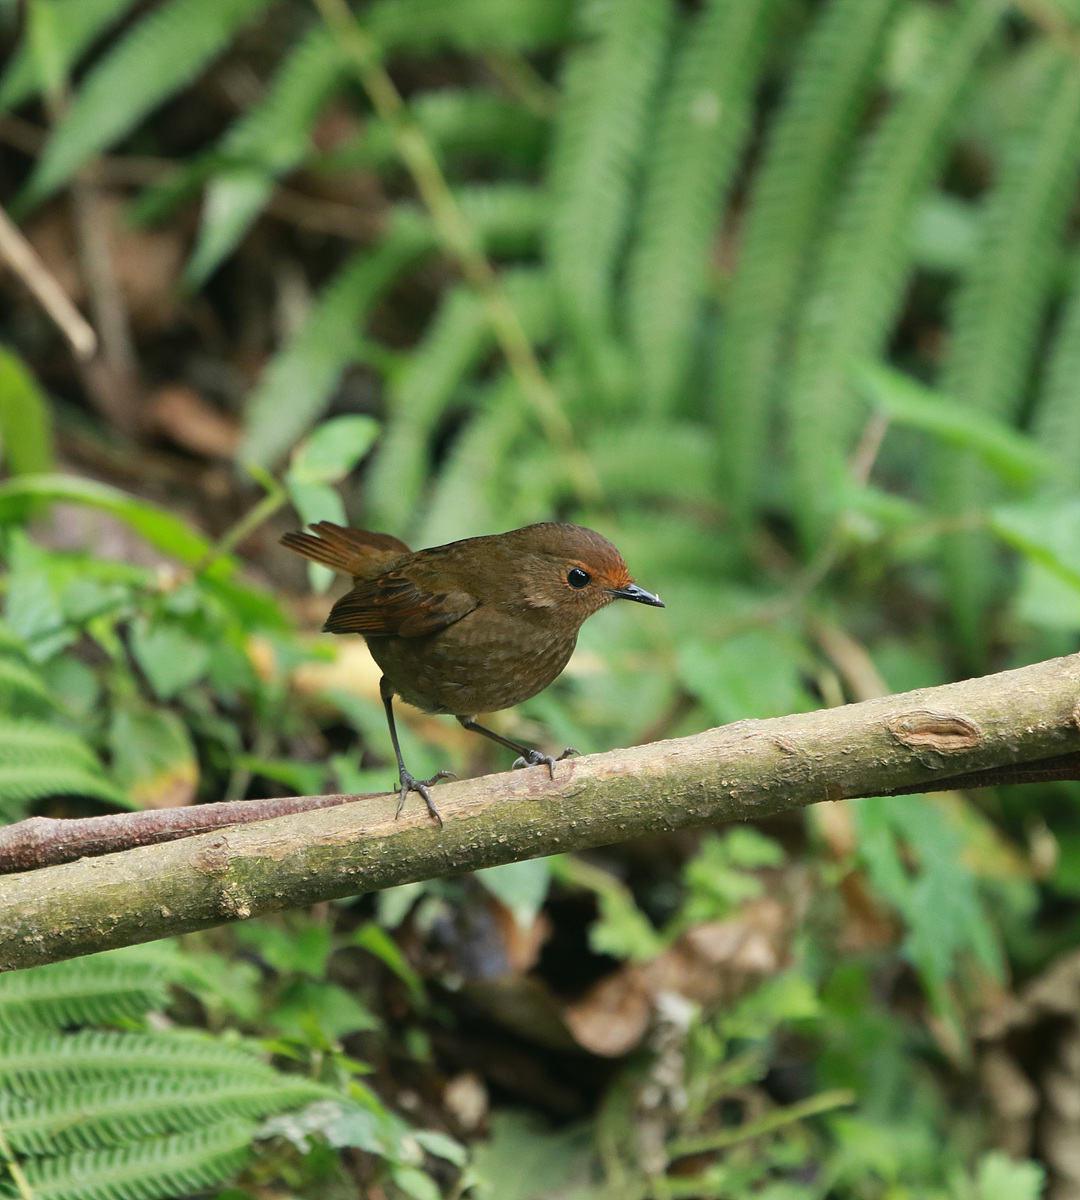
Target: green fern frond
468, 497
41, 1063
704, 117
266, 142
22, 691
455, 121
998, 316
300, 380
152, 61
38, 760
788, 201
172, 1166
86, 991
76, 24
865, 261
458, 336
29, 743
143, 1107
610, 81
21, 785
474, 26
507, 218
1057, 408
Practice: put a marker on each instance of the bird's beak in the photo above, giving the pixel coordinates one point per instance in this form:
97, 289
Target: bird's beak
633, 592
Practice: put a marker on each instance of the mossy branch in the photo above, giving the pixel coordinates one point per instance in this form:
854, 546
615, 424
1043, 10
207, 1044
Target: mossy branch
1010, 727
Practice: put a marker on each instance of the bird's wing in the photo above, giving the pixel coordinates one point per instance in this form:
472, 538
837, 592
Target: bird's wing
350, 551
394, 605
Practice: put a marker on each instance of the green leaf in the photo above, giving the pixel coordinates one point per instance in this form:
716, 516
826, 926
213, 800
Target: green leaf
414, 1183
474, 26
706, 112
161, 529
1015, 457
300, 380
170, 657
442, 1146
1003, 1178
265, 143
609, 87
25, 421
77, 23
937, 898
329, 453
153, 757
864, 260
754, 674
521, 886
1047, 531
316, 1013
302, 946
375, 940
164, 51
806, 148
234, 198
172, 1166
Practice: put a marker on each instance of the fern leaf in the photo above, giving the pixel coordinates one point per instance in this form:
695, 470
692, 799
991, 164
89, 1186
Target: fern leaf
468, 497
998, 316
29, 743
152, 61
469, 121
507, 218
609, 83
143, 1107
151, 1170
22, 692
265, 143
704, 117
859, 283
77, 23
470, 25
41, 1063
86, 991
798, 177
460, 333
1057, 409
38, 760
300, 380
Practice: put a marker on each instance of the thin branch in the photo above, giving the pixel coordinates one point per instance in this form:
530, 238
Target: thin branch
45, 287
722, 1139
459, 239
980, 730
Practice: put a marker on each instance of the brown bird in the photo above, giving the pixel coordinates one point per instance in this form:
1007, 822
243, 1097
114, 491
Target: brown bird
473, 626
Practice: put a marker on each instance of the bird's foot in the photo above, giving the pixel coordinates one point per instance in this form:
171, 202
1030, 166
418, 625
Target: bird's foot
534, 759
409, 784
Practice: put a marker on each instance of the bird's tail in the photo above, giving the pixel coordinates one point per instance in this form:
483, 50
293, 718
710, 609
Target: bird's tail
353, 552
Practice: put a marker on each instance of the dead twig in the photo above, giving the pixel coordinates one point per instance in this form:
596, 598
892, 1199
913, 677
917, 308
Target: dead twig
25, 261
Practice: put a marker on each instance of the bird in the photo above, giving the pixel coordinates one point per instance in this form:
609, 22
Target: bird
473, 626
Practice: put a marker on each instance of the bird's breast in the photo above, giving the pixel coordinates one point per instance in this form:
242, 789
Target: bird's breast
487, 661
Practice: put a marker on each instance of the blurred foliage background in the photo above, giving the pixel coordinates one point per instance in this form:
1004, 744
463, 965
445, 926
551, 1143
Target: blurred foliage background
783, 296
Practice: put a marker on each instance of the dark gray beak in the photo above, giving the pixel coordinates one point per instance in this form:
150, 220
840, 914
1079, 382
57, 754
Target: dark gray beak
633, 592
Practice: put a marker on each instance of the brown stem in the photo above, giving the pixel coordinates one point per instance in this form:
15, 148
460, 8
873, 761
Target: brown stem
45, 841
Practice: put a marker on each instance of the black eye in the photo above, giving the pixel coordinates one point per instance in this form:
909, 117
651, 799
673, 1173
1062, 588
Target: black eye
577, 578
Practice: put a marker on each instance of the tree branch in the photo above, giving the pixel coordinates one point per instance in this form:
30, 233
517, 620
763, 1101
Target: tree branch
918, 741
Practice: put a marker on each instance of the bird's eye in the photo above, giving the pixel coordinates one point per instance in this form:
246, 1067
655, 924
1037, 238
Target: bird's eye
577, 578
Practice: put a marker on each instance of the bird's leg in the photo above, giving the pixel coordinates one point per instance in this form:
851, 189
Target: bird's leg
529, 757
407, 782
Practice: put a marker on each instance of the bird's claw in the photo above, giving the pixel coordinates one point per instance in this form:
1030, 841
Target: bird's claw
409, 784
534, 759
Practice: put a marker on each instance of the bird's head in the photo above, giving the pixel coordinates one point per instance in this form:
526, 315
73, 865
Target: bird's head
575, 570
